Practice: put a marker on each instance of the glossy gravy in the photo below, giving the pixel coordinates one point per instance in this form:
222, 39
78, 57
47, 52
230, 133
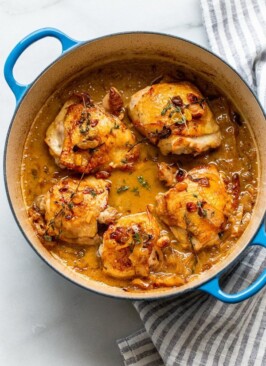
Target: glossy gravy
237, 154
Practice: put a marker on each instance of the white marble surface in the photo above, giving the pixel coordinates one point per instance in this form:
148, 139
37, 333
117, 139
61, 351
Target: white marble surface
45, 320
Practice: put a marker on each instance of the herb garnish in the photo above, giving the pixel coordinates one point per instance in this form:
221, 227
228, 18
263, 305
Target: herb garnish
137, 143
144, 183
163, 134
201, 211
62, 212
115, 127
173, 110
91, 191
135, 190
122, 189
181, 121
48, 238
137, 238
85, 118
70, 205
166, 108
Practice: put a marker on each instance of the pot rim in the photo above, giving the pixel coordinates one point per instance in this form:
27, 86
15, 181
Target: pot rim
164, 294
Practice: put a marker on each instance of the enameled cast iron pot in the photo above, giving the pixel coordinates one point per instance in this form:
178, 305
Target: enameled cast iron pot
79, 55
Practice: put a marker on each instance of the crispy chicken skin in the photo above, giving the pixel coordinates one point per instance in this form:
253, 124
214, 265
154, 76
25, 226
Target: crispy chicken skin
71, 210
85, 138
132, 247
175, 117
196, 208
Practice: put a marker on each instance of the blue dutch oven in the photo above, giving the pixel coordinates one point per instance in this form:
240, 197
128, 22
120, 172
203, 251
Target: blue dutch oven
74, 58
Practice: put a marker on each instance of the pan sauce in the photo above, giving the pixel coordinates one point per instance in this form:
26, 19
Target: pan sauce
237, 154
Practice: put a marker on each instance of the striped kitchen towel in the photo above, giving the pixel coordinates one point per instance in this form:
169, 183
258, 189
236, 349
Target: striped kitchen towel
196, 329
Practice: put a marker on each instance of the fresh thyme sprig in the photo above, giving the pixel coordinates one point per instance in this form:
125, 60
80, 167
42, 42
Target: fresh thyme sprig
122, 189
167, 131
143, 182
178, 109
145, 139
85, 117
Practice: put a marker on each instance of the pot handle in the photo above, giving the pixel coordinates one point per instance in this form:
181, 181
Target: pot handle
213, 288
17, 88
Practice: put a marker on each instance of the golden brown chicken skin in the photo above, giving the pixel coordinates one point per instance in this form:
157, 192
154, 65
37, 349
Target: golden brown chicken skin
175, 117
71, 210
85, 138
133, 249
196, 208
129, 246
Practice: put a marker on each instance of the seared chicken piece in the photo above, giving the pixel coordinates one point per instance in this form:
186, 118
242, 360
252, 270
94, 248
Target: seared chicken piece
71, 210
132, 247
196, 208
85, 138
175, 117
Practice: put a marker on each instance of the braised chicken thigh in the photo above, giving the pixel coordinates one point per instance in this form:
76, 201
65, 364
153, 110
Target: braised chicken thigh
139, 214
85, 138
196, 208
71, 210
132, 247
175, 117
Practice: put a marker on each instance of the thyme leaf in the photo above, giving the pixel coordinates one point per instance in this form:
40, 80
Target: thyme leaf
62, 213
122, 189
143, 183
137, 238
135, 190
70, 205
92, 192
166, 108
201, 211
115, 127
137, 143
48, 238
